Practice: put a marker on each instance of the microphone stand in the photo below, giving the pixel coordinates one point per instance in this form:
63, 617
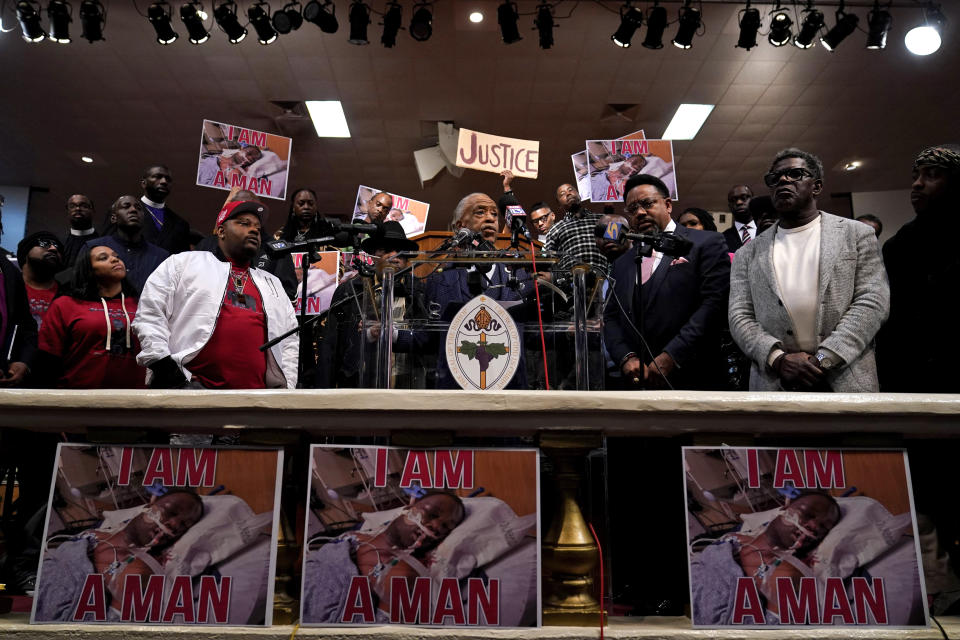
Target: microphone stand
310, 246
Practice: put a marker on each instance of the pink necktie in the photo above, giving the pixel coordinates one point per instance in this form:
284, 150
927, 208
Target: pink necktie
746, 235
646, 269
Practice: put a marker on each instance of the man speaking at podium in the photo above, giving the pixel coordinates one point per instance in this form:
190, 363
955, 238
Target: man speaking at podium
477, 213
678, 304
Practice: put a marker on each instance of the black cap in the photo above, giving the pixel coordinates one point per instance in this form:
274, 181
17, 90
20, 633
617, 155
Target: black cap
390, 237
33, 240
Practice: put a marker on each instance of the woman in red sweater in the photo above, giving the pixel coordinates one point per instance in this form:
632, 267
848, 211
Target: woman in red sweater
86, 340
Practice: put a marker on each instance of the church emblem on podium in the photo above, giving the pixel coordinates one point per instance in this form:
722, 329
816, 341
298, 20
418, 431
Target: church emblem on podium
483, 346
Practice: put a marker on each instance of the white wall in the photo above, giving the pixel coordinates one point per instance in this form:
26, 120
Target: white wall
892, 207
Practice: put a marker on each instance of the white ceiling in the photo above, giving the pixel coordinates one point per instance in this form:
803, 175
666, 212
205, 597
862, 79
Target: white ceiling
130, 102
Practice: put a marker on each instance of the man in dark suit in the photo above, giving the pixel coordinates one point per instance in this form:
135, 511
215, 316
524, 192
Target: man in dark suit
678, 304
744, 228
447, 290
163, 227
477, 212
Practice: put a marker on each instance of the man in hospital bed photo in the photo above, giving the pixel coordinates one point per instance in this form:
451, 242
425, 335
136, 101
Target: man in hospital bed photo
778, 551
399, 550
134, 549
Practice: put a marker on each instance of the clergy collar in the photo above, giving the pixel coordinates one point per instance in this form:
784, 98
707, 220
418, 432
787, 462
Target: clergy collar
150, 203
84, 232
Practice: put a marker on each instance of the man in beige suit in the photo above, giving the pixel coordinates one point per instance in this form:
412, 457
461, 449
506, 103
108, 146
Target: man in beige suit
808, 295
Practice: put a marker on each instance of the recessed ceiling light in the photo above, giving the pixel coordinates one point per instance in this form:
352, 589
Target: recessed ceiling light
328, 118
476, 16
86, 159
687, 121
851, 166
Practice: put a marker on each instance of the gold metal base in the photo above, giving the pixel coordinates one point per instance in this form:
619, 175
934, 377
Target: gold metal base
563, 618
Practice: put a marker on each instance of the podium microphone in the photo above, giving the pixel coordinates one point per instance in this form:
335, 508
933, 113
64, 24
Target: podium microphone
278, 248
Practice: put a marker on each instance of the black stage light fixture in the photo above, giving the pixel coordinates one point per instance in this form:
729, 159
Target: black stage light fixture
190, 15
749, 25
226, 17
259, 16
421, 25
812, 24
28, 15
323, 15
359, 19
92, 20
689, 25
878, 24
656, 25
846, 24
507, 16
287, 19
392, 19
780, 32
159, 15
60, 14
544, 24
630, 20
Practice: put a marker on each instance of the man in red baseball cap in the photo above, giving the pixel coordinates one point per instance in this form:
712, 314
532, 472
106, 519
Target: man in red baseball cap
203, 315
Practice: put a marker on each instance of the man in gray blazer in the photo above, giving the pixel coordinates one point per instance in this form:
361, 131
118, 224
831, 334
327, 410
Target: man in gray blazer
809, 294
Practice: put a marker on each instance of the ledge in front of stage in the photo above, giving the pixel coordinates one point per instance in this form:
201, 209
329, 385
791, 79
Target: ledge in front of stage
368, 412
15, 627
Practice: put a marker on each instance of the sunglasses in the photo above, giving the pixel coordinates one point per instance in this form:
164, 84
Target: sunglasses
795, 174
46, 244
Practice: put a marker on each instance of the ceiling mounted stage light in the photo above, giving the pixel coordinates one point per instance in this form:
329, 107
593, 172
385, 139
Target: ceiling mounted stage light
689, 25
392, 19
656, 25
190, 15
60, 14
28, 15
259, 16
749, 25
324, 16
92, 20
925, 39
846, 24
812, 24
545, 25
780, 32
421, 25
878, 24
507, 16
226, 17
359, 19
287, 19
630, 20
159, 15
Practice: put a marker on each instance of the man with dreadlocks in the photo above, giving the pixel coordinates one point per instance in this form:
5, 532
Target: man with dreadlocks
916, 351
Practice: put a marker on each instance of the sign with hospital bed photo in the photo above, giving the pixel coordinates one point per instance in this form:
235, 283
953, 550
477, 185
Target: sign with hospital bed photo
323, 276
410, 213
801, 538
612, 162
234, 156
422, 537
581, 165
160, 535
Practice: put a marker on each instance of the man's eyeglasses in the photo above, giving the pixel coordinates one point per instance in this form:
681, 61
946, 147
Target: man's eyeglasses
794, 174
46, 244
646, 205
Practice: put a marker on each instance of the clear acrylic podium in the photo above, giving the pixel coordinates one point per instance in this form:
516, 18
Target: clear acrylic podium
403, 330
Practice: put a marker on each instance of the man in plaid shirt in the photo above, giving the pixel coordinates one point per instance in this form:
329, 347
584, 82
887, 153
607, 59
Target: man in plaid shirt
572, 239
